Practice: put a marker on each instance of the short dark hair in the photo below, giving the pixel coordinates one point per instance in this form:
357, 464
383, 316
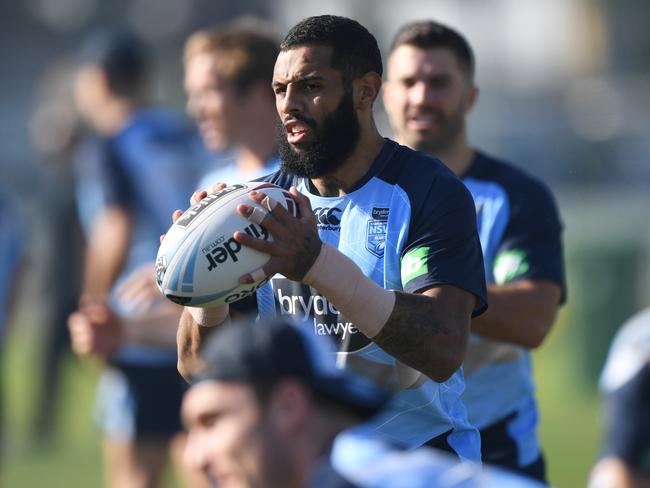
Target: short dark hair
262, 354
428, 34
247, 48
354, 49
122, 56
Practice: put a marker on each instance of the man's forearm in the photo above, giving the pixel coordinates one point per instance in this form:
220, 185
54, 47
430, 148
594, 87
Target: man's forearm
520, 312
427, 332
106, 253
422, 335
189, 338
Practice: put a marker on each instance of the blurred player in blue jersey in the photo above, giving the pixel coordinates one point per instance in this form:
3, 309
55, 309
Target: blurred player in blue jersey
384, 259
228, 74
141, 164
271, 408
428, 94
625, 383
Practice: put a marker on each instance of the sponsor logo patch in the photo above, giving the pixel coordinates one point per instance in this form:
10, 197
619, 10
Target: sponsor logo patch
414, 264
306, 305
328, 218
379, 213
508, 265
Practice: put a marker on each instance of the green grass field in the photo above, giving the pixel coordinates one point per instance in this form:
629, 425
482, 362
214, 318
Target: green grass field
569, 429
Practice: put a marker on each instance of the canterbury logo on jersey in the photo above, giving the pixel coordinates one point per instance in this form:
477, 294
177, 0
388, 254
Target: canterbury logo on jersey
328, 218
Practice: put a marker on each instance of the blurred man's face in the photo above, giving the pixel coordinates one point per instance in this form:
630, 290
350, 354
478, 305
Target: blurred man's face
90, 93
319, 128
212, 102
225, 433
427, 97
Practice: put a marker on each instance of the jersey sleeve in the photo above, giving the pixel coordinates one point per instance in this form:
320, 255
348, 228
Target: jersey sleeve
443, 247
628, 423
100, 182
531, 247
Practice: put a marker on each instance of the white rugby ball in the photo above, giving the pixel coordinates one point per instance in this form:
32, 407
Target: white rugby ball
199, 263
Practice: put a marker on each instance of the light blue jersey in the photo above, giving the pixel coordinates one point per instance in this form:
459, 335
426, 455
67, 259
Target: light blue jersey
520, 234
409, 225
229, 174
150, 168
367, 462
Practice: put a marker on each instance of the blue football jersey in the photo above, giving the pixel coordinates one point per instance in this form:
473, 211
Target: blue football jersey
520, 232
228, 173
150, 168
367, 462
410, 225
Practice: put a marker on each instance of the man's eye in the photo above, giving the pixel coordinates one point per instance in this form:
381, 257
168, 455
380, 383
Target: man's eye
310, 87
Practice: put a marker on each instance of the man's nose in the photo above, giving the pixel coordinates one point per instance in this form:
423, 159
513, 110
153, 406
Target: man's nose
421, 93
195, 454
291, 102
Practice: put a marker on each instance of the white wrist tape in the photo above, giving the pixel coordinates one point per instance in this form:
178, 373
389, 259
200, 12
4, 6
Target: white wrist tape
366, 304
208, 316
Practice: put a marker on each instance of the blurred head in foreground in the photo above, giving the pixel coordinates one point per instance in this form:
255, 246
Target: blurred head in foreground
268, 405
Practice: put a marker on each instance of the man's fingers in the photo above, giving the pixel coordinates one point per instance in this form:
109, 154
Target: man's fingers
175, 216
258, 215
304, 206
197, 196
258, 275
218, 186
261, 245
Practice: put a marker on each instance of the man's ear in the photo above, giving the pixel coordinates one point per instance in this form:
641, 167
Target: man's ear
472, 97
290, 407
366, 90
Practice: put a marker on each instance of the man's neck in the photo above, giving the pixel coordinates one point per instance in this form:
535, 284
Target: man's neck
114, 116
344, 179
258, 144
458, 158
251, 159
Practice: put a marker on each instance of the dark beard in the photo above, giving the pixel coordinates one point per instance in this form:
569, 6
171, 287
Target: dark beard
335, 140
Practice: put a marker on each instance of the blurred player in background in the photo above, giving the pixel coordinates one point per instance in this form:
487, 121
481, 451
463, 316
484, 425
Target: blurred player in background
625, 383
271, 408
141, 164
429, 92
374, 217
12, 257
228, 74
56, 130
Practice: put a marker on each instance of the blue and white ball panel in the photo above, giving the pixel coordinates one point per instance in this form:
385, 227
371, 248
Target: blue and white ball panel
199, 262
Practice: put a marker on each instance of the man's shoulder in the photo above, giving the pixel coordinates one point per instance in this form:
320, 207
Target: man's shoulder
406, 164
419, 174
515, 181
280, 178
157, 126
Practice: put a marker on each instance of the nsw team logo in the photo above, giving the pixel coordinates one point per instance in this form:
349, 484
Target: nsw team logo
376, 237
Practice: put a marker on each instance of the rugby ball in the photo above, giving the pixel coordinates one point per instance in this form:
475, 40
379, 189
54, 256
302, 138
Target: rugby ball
199, 263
